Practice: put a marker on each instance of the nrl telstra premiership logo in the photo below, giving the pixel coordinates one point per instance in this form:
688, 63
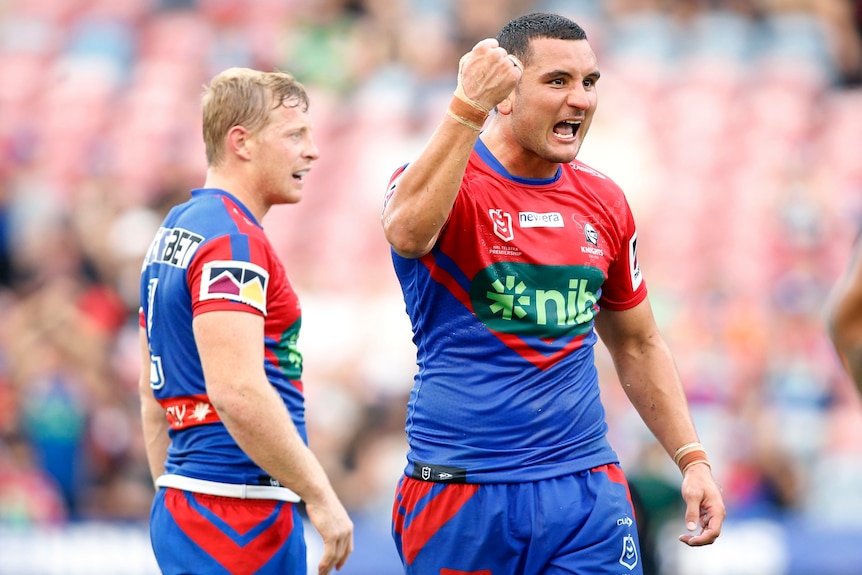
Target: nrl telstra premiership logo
502, 224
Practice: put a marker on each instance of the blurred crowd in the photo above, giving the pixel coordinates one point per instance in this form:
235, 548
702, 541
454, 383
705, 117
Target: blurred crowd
735, 127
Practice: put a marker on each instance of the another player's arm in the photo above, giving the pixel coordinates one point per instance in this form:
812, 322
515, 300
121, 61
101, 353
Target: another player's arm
844, 317
649, 376
154, 423
426, 191
230, 344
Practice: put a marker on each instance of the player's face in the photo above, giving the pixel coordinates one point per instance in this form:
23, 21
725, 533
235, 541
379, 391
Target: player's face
554, 103
286, 153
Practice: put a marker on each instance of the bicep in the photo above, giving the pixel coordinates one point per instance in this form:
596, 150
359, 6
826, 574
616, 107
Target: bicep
621, 330
230, 346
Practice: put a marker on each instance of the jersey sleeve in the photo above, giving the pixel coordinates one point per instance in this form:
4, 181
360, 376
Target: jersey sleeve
625, 287
230, 273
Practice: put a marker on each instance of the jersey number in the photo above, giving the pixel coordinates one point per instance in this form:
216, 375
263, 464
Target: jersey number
157, 374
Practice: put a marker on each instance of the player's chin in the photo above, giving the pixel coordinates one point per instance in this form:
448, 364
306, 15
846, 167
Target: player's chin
564, 157
291, 195
564, 151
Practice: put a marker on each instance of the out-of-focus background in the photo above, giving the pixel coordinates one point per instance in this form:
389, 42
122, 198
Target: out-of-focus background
735, 127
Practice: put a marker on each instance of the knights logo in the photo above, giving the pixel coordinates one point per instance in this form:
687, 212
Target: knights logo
502, 224
629, 555
426, 473
591, 235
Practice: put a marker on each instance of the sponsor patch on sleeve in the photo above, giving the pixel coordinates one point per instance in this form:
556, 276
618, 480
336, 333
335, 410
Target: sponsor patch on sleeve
241, 282
393, 183
634, 267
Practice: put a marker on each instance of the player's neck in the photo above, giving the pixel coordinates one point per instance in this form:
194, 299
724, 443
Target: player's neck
240, 189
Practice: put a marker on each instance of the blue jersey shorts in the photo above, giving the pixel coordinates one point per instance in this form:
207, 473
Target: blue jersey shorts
580, 523
211, 535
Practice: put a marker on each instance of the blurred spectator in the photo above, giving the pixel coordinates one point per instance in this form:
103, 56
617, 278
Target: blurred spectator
28, 496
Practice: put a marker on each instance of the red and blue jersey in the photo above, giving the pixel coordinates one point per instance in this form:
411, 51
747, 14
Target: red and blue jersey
211, 254
502, 311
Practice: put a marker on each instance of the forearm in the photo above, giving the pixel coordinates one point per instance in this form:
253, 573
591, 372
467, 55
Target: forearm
153, 421
250, 407
258, 421
651, 381
426, 191
155, 431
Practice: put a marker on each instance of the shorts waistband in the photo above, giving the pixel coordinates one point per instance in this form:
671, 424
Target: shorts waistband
234, 490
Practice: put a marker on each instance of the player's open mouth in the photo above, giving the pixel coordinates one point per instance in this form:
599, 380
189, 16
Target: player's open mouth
299, 176
567, 129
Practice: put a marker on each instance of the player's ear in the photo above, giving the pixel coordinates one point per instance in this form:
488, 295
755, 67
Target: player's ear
505, 107
238, 141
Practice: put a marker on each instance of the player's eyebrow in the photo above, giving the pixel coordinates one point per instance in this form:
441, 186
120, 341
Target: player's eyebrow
595, 74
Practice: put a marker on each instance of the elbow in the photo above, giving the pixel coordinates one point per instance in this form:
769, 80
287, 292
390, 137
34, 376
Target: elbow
405, 241
409, 249
233, 401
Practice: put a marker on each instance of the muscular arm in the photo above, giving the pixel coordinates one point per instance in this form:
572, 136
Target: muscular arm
155, 425
231, 349
844, 317
648, 373
426, 191
651, 381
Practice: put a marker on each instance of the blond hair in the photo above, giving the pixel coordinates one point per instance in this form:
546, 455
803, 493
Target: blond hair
244, 97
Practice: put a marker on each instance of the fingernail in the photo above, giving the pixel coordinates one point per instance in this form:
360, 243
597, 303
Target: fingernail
691, 525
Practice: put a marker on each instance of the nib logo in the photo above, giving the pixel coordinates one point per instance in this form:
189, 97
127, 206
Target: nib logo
507, 298
287, 352
543, 301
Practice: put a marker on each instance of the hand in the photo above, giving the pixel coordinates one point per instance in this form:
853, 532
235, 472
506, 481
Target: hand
336, 529
704, 506
487, 74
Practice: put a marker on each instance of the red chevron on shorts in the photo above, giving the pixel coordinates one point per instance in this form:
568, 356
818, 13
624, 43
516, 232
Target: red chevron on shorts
418, 531
253, 530
615, 473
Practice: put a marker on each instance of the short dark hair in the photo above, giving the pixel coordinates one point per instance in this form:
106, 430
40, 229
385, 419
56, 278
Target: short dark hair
515, 37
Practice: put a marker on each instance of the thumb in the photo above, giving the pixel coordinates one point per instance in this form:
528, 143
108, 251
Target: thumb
692, 514
461, 65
